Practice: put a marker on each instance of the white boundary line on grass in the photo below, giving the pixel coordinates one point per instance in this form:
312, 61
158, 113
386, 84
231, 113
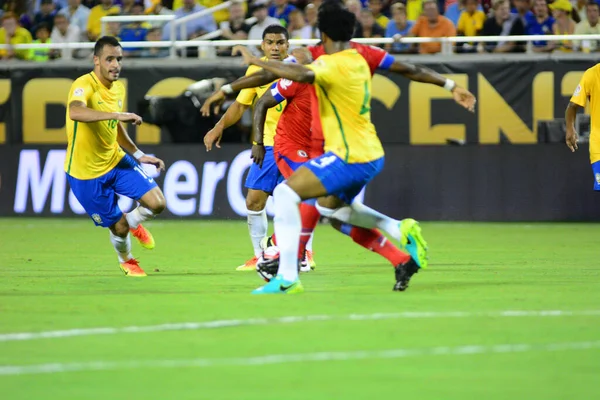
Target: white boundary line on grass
188, 326
54, 368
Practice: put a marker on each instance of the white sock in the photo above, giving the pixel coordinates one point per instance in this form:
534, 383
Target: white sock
122, 247
139, 215
358, 214
288, 226
257, 226
309, 243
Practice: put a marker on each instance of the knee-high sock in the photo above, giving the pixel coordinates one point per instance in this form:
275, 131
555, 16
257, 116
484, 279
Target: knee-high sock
257, 226
139, 215
310, 218
359, 214
288, 225
122, 247
373, 240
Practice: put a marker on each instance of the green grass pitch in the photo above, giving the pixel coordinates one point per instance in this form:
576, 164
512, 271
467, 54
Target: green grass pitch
451, 335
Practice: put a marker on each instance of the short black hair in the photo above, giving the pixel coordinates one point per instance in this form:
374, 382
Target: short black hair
105, 41
42, 26
336, 21
276, 29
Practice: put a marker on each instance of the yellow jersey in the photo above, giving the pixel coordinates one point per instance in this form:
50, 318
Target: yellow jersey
249, 96
589, 88
22, 36
94, 26
93, 149
343, 88
469, 24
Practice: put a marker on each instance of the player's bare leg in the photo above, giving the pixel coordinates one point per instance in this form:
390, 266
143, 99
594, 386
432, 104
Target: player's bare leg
256, 202
301, 185
151, 204
121, 241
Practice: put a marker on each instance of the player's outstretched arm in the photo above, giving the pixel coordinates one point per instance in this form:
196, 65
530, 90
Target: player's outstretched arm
260, 116
125, 142
231, 116
419, 73
294, 72
259, 78
570, 116
79, 112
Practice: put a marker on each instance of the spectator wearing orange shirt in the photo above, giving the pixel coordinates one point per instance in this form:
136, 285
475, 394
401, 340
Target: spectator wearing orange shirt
432, 24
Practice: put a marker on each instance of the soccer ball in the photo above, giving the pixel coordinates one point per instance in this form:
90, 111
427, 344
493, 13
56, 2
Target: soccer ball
268, 264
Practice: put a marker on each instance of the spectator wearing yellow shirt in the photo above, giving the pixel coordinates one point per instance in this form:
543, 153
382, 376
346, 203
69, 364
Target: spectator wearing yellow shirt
42, 35
219, 16
414, 9
94, 26
11, 33
376, 6
589, 26
470, 23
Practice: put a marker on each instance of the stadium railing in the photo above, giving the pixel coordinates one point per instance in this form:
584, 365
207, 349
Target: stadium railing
208, 52
446, 42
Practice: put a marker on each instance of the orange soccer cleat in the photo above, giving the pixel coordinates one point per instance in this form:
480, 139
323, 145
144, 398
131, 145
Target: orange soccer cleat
132, 268
249, 265
143, 236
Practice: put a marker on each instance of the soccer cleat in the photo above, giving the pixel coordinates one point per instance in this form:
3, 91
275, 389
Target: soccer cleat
132, 268
403, 274
143, 236
266, 242
310, 257
412, 240
249, 265
278, 285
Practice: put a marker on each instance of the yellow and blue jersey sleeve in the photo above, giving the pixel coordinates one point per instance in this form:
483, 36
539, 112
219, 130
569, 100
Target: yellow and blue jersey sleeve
584, 89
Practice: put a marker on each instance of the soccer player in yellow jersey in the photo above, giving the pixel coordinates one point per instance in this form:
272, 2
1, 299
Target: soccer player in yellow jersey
261, 180
353, 153
588, 89
97, 167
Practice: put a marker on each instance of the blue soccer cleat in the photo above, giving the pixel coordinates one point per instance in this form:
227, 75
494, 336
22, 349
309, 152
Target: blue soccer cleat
278, 285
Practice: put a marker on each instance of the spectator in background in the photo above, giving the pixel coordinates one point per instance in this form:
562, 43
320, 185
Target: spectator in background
353, 6
45, 15
11, 33
113, 28
127, 5
376, 7
470, 23
195, 27
236, 28
154, 35
263, 20
589, 26
563, 25
454, 11
367, 27
540, 23
581, 7
42, 35
19, 9
157, 8
281, 10
298, 27
311, 13
64, 32
218, 16
37, 4
397, 28
501, 23
523, 10
94, 26
414, 9
135, 31
77, 15
432, 24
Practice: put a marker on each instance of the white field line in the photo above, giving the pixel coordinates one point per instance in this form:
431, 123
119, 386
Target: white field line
189, 326
54, 368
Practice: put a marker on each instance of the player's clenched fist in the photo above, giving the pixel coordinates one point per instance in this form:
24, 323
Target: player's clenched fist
129, 117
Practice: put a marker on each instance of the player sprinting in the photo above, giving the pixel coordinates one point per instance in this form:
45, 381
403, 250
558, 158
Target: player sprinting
261, 180
97, 168
353, 153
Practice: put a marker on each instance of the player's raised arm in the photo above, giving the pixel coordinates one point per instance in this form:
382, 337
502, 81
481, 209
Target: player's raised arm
419, 73
259, 78
260, 116
294, 72
231, 116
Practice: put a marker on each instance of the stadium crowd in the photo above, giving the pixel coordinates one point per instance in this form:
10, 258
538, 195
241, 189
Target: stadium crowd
62, 21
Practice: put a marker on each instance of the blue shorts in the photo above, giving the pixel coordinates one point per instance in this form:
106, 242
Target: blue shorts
264, 178
596, 170
341, 179
98, 196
